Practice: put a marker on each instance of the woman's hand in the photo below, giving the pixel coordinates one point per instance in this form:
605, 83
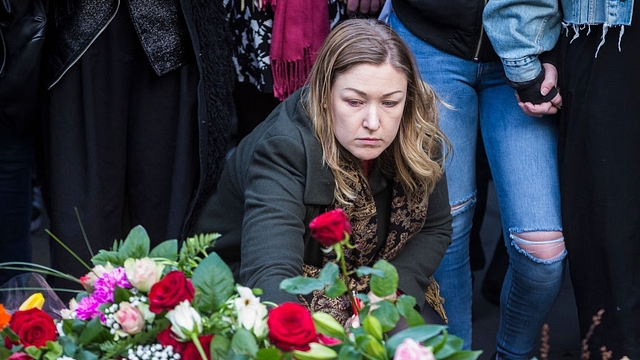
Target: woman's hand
370, 7
549, 107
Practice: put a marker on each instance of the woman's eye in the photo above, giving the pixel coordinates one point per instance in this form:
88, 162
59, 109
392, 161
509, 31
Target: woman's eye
354, 102
389, 103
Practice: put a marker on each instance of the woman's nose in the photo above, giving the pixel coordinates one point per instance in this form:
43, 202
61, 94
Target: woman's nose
371, 120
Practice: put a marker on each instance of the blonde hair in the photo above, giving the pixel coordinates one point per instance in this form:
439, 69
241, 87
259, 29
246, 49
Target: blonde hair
416, 155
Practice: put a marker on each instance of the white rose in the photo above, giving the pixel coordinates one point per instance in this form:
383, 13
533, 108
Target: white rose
185, 320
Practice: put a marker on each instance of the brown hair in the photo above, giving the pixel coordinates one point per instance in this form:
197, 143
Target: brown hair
417, 152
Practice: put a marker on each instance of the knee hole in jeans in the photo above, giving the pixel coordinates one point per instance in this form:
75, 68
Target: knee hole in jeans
541, 246
463, 206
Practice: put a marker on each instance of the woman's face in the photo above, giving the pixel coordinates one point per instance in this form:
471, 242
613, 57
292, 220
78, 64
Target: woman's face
366, 106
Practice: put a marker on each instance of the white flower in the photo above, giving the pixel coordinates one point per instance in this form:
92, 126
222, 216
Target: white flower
251, 313
185, 320
143, 273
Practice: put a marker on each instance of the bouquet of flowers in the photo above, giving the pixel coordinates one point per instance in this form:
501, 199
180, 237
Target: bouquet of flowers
174, 302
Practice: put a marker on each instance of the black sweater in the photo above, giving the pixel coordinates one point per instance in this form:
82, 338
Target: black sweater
453, 26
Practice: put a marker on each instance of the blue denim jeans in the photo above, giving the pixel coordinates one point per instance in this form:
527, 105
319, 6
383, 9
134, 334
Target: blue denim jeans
16, 166
522, 154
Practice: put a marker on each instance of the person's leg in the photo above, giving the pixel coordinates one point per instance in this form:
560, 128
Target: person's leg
16, 166
522, 153
450, 78
85, 147
600, 167
162, 149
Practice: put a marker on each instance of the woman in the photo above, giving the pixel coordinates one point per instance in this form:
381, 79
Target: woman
457, 59
361, 136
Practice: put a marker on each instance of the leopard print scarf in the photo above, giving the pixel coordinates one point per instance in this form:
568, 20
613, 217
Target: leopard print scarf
406, 219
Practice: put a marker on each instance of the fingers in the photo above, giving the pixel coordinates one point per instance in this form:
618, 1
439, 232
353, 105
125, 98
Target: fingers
550, 78
364, 6
539, 110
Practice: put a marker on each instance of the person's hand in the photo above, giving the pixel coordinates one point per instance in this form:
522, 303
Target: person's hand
549, 107
363, 6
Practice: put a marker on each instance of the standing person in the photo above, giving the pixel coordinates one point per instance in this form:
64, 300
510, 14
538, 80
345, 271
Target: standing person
599, 153
136, 129
457, 60
22, 34
362, 137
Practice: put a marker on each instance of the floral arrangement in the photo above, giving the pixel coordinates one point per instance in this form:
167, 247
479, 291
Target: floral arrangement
182, 303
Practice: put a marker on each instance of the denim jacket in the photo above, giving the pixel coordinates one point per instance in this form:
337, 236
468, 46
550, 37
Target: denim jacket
519, 32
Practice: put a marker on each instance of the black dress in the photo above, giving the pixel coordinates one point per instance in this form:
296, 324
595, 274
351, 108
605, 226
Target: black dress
600, 183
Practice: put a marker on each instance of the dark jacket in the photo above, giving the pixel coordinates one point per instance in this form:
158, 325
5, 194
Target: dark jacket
172, 33
453, 26
22, 35
274, 184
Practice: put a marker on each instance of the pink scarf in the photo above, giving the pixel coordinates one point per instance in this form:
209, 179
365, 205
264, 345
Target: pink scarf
299, 28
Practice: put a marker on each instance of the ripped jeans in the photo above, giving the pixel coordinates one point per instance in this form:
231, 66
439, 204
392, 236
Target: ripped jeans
522, 153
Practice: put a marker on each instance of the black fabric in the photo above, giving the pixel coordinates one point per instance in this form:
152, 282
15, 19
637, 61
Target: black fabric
22, 34
453, 26
599, 170
530, 91
122, 146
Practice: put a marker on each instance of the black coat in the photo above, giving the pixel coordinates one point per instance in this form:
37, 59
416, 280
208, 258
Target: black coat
22, 35
274, 184
171, 32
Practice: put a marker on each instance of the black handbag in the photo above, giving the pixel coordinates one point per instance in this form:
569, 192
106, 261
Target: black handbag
22, 34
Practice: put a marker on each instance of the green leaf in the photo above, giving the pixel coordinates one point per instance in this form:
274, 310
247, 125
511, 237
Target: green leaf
418, 333
85, 355
406, 307
213, 282
383, 286
329, 273
373, 327
327, 325
120, 295
54, 350
336, 289
317, 352
136, 245
33, 351
219, 348
167, 249
301, 285
92, 331
365, 270
387, 314
268, 354
243, 342
463, 355
449, 346
348, 352
371, 346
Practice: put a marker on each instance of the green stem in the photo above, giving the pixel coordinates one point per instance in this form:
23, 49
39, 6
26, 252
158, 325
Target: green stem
345, 274
196, 341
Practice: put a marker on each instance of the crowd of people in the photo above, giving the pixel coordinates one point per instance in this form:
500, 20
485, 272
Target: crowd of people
250, 118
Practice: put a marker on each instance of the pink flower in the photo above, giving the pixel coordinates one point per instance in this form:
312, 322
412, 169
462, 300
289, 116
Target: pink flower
106, 284
410, 349
129, 318
143, 273
88, 308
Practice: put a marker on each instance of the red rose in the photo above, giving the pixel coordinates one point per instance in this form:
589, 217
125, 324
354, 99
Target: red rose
165, 338
19, 356
329, 228
170, 291
33, 326
291, 327
191, 351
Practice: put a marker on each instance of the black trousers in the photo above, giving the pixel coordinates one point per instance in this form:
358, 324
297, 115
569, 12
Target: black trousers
121, 147
600, 183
